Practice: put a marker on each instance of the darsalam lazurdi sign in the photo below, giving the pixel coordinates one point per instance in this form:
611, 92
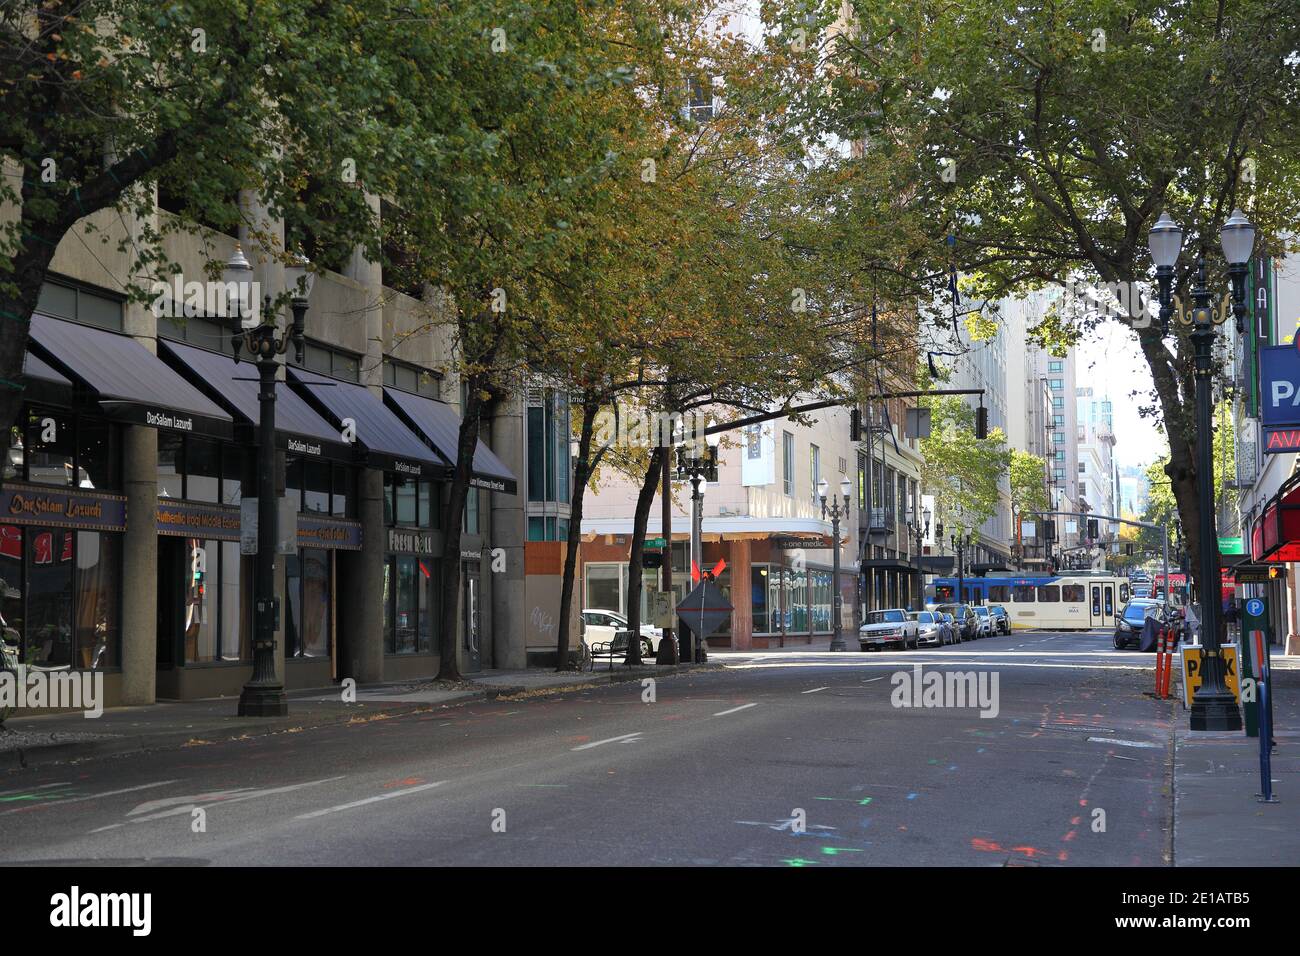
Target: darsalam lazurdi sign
36, 504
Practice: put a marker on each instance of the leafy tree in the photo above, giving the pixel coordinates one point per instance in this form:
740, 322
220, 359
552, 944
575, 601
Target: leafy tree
961, 471
105, 99
1047, 138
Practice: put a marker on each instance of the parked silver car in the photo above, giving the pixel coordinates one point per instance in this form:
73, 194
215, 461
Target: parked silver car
891, 626
932, 629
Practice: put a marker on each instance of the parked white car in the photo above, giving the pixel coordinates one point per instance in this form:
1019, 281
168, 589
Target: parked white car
891, 626
600, 626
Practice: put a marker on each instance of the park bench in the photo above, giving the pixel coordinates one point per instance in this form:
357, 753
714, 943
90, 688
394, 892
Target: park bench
611, 650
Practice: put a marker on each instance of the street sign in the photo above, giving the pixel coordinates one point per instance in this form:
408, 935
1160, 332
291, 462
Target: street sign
704, 610
656, 543
1193, 667
1231, 546
1254, 627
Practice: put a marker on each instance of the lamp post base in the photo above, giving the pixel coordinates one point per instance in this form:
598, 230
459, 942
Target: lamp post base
1215, 711
263, 702
839, 644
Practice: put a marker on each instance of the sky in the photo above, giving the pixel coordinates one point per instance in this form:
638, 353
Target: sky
1110, 360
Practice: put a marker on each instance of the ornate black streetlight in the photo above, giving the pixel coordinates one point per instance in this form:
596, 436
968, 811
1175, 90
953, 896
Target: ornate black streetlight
960, 542
699, 469
1214, 707
263, 695
836, 511
919, 529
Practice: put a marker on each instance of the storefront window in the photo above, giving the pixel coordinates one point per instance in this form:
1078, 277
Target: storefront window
233, 462
341, 493
59, 596
316, 486
217, 611
202, 470
798, 606
96, 599
308, 582
51, 447
97, 453
424, 583
758, 575
603, 582
424, 506
407, 510
48, 622
406, 609
171, 466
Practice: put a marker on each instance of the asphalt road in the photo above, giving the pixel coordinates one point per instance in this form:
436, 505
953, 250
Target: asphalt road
782, 758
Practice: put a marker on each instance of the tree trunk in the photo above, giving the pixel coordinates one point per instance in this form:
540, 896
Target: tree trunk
643, 502
453, 518
581, 475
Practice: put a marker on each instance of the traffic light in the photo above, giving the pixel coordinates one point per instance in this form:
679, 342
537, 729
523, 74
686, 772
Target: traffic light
1093, 531
1049, 530
855, 424
652, 560
1128, 549
981, 422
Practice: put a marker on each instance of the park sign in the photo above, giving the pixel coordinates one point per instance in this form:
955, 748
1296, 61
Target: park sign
1279, 379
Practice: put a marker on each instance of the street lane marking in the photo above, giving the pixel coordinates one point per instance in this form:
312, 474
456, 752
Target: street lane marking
362, 803
96, 796
872, 680
596, 743
733, 710
44, 786
1125, 743
814, 690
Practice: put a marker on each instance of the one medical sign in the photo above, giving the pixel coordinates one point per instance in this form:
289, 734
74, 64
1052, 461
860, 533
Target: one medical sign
1279, 379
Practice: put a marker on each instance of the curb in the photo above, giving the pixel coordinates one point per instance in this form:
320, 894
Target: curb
55, 752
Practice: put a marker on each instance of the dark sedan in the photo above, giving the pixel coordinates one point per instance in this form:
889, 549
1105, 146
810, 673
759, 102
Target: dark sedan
967, 623
1131, 620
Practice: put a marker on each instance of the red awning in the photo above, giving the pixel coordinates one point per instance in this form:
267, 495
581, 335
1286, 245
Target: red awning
1275, 539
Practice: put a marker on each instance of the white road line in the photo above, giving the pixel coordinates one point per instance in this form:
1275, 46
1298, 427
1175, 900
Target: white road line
872, 680
597, 743
733, 710
1125, 743
94, 796
814, 690
44, 786
362, 803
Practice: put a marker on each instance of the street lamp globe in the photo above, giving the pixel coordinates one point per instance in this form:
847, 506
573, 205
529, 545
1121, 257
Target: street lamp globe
1165, 241
846, 488
298, 276
822, 487
1237, 237
236, 275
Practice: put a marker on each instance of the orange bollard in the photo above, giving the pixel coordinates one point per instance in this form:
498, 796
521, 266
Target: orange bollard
1162, 663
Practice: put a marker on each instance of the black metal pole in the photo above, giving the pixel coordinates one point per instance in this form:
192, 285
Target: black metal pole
263, 696
837, 641
1213, 707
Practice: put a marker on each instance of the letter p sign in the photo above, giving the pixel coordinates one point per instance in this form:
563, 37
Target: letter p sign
1282, 390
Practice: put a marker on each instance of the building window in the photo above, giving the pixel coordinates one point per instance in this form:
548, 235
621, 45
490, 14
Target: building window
1058, 420
699, 106
787, 462
415, 503
1058, 474
331, 361
1057, 384
411, 378
56, 447
548, 446
80, 305
471, 511
1083, 468
1055, 366
815, 467
198, 469
1058, 437
1060, 456
862, 483
1058, 401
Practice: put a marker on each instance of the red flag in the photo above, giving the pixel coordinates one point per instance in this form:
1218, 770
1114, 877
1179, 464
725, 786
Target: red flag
719, 568
695, 572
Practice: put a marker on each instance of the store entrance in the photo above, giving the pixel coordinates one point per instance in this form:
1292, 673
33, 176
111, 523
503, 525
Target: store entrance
172, 562
472, 617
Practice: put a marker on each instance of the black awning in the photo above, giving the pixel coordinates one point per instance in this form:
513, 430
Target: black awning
888, 564
440, 426
41, 371
938, 563
129, 382
233, 385
388, 443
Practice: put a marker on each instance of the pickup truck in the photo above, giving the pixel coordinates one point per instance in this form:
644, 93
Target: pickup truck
892, 626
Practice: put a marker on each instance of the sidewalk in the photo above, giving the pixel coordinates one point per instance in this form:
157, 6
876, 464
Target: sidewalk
59, 738
1217, 819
